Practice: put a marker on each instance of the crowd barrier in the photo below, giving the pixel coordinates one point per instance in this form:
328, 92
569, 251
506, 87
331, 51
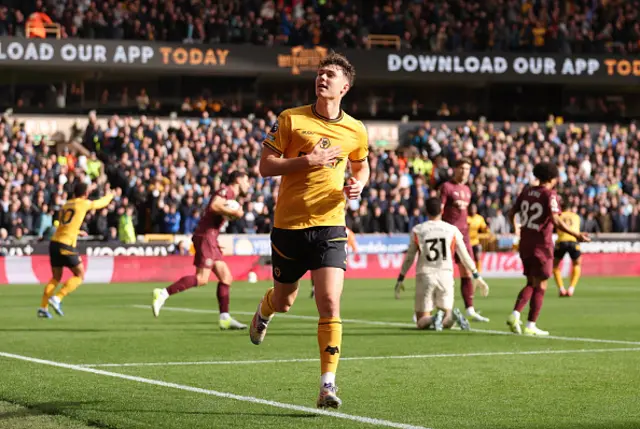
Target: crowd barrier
131, 269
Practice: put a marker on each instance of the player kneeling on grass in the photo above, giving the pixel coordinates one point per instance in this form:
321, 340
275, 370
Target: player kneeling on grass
208, 255
436, 241
539, 212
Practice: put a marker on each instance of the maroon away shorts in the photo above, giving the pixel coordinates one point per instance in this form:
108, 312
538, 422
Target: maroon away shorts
207, 251
535, 266
467, 244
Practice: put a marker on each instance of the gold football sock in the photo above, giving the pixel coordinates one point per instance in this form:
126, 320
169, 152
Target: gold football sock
267, 309
71, 285
575, 275
479, 266
558, 276
329, 341
49, 289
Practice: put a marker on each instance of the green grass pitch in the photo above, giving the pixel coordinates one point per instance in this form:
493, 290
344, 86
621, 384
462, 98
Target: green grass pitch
586, 376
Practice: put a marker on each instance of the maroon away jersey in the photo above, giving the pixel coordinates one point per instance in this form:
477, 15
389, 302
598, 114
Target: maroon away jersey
211, 222
536, 206
455, 201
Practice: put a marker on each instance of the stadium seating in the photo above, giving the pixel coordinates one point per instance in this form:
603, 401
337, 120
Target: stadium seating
565, 27
599, 171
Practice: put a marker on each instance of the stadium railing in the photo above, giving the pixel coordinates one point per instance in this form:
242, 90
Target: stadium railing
383, 40
36, 30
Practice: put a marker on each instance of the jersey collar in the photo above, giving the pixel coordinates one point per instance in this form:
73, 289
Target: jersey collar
324, 118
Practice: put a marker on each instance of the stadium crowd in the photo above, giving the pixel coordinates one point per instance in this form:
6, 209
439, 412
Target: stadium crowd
164, 176
571, 26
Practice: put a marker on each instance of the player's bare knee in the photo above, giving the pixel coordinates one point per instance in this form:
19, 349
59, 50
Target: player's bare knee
328, 305
202, 280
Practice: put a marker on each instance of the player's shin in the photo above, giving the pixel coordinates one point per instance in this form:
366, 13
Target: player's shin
222, 294
466, 286
330, 343
523, 298
186, 282
49, 289
71, 285
267, 308
536, 304
575, 275
557, 275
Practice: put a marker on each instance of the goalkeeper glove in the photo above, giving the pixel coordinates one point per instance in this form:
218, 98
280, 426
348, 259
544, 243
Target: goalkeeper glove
478, 282
399, 286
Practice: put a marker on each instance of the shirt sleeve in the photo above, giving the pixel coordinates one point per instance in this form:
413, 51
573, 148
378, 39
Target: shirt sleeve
100, 203
361, 153
410, 257
278, 137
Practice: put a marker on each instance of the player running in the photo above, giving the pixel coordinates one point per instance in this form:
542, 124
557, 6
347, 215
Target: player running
539, 212
62, 248
309, 147
456, 196
208, 255
477, 226
567, 243
436, 242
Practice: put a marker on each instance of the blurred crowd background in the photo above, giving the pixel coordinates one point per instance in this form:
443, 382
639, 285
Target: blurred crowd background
563, 26
164, 176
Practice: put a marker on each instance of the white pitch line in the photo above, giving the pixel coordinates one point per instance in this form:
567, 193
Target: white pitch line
251, 399
356, 358
288, 316
400, 324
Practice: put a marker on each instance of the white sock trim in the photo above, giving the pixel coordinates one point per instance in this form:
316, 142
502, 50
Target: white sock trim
328, 377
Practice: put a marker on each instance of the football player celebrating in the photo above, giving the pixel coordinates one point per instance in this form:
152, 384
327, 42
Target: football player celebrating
309, 147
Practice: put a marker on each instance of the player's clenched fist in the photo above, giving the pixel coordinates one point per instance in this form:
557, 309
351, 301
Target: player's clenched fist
353, 188
321, 157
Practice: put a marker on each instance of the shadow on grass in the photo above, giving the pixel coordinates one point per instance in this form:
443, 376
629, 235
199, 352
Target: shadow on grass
62, 408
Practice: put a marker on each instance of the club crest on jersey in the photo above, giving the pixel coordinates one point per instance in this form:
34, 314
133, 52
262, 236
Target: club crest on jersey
325, 143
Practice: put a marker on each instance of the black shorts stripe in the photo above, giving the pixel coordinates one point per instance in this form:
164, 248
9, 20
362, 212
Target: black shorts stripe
329, 323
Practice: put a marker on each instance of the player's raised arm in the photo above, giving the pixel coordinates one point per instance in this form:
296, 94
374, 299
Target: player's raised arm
103, 202
409, 258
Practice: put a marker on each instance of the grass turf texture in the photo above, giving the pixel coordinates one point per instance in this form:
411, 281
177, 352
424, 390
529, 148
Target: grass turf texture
583, 386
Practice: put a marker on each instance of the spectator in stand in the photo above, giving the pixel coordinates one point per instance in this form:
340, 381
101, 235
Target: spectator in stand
566, 27
167, 174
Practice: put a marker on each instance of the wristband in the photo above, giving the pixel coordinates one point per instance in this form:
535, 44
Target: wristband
476, 275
